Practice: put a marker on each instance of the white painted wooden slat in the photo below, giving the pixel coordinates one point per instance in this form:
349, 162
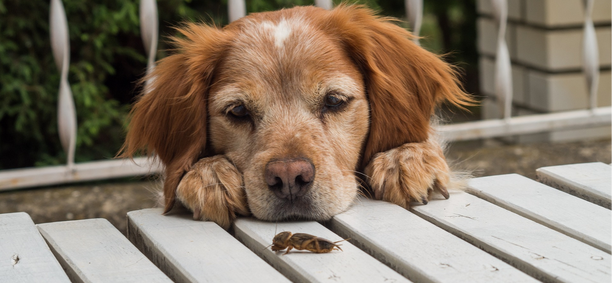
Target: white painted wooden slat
418, 249
565, 213
527, 124
535, 249
590, 181
196, 251
349, 265
94, 251
95, 170
24, 255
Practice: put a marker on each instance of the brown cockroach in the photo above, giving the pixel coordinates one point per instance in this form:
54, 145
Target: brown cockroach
303, 241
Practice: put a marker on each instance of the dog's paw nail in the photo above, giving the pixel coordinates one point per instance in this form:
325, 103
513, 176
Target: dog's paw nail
441, 189
424, 200
197, 213
444, 193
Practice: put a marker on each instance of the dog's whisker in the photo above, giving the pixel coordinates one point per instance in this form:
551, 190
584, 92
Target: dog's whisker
363, 190
356, 173
358, 200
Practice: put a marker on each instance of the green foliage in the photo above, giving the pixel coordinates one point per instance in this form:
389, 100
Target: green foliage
107, 59
271, 5
30, 79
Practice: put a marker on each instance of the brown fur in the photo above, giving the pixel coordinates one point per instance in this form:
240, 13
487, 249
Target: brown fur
170, 120
281, 66
404, 82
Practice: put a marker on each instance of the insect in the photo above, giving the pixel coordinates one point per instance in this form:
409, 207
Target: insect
302, 241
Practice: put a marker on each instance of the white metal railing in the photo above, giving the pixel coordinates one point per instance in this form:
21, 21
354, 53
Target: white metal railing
590, 54
541, 122
414, 12
96, 170
66, 114
503, 74
149, 31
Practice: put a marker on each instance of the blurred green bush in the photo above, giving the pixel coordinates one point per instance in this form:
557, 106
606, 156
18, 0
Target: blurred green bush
107, 58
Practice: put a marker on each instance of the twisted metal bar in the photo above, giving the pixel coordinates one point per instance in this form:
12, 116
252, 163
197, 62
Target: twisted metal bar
414, 11
236, 9
503, 74
66, 113
325, 4
590, 54
149, 31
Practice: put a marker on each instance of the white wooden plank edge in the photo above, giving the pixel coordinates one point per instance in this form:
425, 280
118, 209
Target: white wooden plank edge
349, 265
25, 257
95, 170
537, 250
552, 208
93, 250
527, 124
195, 251
417, 248
590, 181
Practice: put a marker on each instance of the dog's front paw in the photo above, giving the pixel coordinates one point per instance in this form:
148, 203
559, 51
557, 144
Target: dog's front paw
408, 173
213, 189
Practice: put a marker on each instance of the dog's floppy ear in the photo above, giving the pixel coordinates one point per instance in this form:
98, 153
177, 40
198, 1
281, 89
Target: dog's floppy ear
169, 119
404, 82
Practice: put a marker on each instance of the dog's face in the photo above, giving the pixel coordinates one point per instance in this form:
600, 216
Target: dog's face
289, 108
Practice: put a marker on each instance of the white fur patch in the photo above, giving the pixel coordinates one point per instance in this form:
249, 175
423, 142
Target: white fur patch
281, 30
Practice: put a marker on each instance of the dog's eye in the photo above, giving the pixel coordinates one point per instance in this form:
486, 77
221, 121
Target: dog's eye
333, 100
239, 111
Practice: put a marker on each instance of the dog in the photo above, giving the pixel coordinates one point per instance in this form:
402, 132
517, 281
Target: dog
290, 114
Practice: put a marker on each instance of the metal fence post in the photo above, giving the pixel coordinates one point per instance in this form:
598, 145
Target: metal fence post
66, 113
590, 55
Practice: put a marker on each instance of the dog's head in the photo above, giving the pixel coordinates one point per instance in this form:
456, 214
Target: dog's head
299, 100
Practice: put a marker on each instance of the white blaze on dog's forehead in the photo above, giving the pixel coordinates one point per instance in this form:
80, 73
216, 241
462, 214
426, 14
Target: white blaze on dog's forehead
282, 30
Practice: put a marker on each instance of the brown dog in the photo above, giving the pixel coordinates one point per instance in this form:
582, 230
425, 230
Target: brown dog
278, 114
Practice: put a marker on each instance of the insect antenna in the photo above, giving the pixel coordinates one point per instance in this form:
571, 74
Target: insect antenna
275, 226
347, 239
267, 247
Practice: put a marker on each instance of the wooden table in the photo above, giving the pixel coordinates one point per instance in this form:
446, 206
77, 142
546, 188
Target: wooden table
505, 228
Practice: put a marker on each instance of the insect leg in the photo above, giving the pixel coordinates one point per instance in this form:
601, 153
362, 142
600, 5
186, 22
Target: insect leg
317, 246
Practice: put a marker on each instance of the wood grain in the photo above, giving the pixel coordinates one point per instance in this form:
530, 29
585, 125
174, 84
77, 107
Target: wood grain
195, 251
25, 257
590, 181
563, 212
418, 249
349, 265
535, 249
93, 250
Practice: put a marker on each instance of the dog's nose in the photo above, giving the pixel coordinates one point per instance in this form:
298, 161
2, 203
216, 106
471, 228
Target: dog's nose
290, 178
